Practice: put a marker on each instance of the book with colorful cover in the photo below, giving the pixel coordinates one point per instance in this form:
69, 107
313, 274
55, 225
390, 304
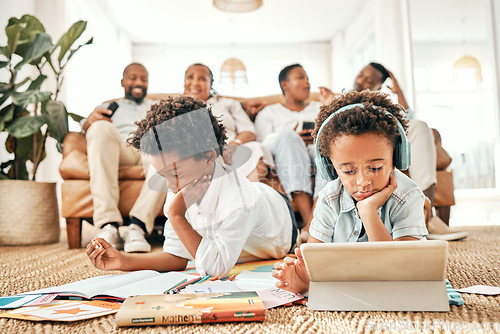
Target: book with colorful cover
178, 309
63, 310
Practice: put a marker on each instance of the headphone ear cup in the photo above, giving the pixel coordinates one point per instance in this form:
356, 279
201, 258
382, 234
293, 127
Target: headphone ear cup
396, 157
402, 155
331, 170
325, 168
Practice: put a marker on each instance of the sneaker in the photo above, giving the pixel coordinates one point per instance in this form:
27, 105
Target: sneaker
111, 235
438, 230
135, 241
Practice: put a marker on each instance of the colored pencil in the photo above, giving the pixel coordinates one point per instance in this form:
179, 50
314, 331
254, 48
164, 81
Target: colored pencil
176, 285
203, 279
183, 285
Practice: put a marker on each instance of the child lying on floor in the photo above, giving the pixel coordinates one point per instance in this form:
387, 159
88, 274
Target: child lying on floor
214, 214
360, 141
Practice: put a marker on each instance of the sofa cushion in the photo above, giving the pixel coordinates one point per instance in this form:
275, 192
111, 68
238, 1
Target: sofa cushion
443, 159
443, 192
75, 167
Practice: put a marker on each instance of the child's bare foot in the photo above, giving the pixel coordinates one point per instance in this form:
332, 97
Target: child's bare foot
292, 274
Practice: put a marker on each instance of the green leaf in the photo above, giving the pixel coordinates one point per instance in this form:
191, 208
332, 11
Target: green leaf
48, 58
6, 115
4, 87
3, 50
6, 164
3, 169
70, 37
3, 64
35, 84
33, 26
22, 171
72, 52
36, 49
23, 99
25, 126
19, 84
24, 146
4, 97
20, 112
57, 119
75, 117
13, 32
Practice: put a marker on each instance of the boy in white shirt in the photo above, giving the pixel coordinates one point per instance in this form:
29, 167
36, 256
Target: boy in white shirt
216, 215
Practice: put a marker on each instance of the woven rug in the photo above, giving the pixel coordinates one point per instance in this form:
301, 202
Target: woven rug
475, 260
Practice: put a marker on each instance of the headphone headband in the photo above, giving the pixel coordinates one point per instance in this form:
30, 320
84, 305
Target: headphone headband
402, 154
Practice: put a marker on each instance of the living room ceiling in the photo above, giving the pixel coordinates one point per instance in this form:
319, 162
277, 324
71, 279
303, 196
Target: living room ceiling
198, 21
283, 21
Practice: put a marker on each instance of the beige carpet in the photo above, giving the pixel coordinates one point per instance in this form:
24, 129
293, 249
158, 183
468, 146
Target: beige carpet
476, 260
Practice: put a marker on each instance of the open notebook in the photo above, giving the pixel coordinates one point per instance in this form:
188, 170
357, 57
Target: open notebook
121, 286
377, 276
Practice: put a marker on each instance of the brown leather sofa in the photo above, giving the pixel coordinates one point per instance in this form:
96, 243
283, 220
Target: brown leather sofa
77, 202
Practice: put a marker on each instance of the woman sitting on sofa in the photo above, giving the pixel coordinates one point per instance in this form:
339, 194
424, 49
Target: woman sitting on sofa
253, 161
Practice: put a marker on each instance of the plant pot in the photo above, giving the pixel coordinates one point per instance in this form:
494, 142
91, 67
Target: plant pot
29, 213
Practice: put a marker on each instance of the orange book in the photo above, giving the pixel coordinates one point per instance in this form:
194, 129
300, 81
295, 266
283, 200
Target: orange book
199, 308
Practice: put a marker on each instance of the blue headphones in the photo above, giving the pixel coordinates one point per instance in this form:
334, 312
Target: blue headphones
402, 154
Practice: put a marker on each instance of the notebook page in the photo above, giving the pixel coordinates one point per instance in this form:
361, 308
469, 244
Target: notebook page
91, 287
151, 286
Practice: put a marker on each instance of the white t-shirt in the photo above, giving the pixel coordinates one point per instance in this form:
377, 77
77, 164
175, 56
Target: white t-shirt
234, 118
238, 220
276, 118
126, 115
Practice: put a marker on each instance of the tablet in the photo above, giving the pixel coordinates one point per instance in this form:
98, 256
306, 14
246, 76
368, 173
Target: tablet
376, 261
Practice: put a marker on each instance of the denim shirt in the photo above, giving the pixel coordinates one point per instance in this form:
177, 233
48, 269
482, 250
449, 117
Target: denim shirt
336, 218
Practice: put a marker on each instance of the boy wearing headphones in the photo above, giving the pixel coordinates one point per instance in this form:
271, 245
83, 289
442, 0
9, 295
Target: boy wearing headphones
360, 145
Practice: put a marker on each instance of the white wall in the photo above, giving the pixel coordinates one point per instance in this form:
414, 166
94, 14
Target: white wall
167, 64
353, 47
493, 18
94, 73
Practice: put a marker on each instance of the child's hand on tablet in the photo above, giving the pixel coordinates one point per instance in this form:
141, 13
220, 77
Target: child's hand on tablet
292, 274
104, 256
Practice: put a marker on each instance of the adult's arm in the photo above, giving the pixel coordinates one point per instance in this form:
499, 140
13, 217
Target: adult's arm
264, 128
245, 129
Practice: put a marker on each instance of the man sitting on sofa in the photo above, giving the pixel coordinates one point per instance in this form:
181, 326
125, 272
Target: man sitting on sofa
106, 133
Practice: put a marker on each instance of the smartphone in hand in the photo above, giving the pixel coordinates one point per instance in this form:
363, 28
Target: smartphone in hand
308, 125
112, 106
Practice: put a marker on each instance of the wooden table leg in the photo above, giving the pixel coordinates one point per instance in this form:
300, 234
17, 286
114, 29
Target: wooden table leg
74, 232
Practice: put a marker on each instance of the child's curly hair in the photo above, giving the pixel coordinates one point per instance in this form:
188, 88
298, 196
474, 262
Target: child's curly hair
359, 120
145, 138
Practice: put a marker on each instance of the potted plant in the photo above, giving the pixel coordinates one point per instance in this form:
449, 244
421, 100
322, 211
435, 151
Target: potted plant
29, 115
